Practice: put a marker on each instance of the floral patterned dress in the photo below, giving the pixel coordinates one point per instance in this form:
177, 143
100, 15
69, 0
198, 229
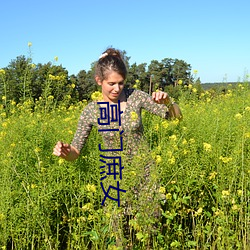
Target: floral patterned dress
142, 196
131, 122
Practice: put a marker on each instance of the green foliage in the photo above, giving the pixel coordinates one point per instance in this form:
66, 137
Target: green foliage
201, 165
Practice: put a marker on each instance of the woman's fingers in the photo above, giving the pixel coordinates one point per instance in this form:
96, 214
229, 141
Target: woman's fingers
160, 97
61, 149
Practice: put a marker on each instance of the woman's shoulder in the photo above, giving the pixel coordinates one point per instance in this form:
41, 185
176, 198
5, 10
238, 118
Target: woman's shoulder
90, 109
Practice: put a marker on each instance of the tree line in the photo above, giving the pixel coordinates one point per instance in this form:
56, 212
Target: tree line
22, 79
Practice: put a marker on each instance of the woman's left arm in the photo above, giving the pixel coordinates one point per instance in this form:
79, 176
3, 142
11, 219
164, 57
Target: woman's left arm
161, 97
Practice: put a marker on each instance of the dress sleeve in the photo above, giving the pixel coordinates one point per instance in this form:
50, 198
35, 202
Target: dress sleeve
84, 127
151, 106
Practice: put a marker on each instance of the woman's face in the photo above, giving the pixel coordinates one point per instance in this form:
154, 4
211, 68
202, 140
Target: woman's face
112, 86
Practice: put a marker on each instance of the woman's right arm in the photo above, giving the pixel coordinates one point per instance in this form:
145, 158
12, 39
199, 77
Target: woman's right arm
70, 152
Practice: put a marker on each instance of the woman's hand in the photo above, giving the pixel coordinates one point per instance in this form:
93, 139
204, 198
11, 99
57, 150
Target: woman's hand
161, 97
65, 151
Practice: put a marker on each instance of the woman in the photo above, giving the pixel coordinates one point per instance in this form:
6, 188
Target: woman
110, 74
125, 134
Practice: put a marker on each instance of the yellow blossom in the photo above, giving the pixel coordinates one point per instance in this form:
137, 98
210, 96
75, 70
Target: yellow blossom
168, 196
2, 72
135, 86
207, 147
225, 193
212, 175
190, 86
239, 192
61, 161
195, 71
198, 212
158, 159
235, 207
225, 159
238, 116
247, 108
56, 58
73, 85
162, 190
164, 124
173, 137
3, 97
133, 173
29, 44
2, 217
194, 90
50, 97
156, 127
96, 96
180, 82
171, 160
4, 124
218, 212
133, 116
137, 80
175, 122
184, 141
191, 140
37, 149
87, 207
91, 188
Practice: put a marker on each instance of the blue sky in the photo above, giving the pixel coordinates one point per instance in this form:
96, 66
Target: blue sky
212, 36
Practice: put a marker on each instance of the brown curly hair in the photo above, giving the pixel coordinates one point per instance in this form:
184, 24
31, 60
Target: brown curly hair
110, 60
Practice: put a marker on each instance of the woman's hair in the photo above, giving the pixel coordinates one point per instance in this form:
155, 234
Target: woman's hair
110, 60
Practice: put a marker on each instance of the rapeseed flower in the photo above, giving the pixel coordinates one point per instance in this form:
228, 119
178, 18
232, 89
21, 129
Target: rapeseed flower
87, 207
96, 96
225, 193
164, 124
239, 192
207, 147
198, 212
168, 196
2, 217
156, 127
2, 72
56, 58
173, 137
133, 116
171, 160
235, 207
162, 190
91, 188
225, 159
180, 82
238, 116
158, 159
212, 175
29, 44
